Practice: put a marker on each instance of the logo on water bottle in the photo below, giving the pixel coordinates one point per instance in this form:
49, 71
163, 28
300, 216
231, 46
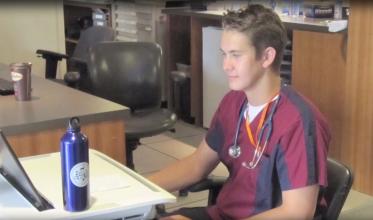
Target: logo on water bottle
79, 174
16, 76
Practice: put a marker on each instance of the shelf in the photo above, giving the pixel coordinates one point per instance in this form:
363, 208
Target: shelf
89, 4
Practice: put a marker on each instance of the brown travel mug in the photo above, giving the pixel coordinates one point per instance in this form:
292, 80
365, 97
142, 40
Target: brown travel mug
21, 77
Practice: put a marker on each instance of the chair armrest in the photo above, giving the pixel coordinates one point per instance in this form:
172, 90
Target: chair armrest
78, 61
50, 54
211, 182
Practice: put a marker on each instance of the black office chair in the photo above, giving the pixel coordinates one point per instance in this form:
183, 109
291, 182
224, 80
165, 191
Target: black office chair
77, 63
340, 179
129, 73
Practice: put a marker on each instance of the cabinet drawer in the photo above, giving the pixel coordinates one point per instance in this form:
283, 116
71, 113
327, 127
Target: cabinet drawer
144, 18
127, 34
124, 38
146, 28
144, 9
144, 36
126, 16
127, 25
125, 6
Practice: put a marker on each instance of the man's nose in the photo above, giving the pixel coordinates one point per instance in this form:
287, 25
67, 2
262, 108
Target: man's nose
227, 64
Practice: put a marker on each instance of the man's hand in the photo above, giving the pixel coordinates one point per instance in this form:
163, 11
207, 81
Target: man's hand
188, 170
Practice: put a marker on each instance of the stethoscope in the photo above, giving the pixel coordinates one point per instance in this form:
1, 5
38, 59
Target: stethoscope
235, 150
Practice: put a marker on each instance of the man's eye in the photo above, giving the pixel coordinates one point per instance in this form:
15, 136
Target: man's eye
236, 55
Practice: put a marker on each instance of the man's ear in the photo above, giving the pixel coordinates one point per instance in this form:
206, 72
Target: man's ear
268, 57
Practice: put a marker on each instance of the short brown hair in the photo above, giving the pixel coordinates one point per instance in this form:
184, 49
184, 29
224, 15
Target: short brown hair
262, 26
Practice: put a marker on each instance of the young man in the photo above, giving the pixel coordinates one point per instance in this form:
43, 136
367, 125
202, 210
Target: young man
272, 140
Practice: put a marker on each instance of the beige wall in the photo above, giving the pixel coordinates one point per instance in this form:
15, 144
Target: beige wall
26, 26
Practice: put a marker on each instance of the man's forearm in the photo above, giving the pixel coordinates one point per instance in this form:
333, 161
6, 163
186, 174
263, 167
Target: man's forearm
281, 213
188, 170
177, 176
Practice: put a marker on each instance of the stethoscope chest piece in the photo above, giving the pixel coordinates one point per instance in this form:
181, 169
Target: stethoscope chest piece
234, 151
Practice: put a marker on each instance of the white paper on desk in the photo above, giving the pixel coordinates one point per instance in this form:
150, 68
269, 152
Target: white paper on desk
108, 182
337, 25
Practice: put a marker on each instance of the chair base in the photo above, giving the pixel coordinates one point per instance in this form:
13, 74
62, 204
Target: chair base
146, 124
131, 145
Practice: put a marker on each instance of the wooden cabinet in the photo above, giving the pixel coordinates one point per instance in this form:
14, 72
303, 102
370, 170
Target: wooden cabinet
340, 84
357, 136
319, 72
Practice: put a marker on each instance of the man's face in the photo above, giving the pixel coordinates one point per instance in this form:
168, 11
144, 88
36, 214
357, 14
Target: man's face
239, 61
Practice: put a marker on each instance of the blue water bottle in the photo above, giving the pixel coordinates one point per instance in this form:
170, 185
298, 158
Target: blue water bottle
75, 168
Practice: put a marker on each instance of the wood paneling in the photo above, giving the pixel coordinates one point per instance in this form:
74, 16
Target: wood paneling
106, 137
357, 139
342, 90
319, 72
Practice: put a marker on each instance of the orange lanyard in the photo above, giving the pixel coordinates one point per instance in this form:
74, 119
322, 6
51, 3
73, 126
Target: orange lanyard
260, 125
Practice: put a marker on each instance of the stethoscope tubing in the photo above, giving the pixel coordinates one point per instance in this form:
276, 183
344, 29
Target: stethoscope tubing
267, 124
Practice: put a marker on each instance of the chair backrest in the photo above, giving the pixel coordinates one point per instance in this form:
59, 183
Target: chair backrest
89, 38
340, 180
127, 73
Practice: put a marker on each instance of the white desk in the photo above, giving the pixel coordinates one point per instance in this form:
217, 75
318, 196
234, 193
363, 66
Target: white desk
116, 191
